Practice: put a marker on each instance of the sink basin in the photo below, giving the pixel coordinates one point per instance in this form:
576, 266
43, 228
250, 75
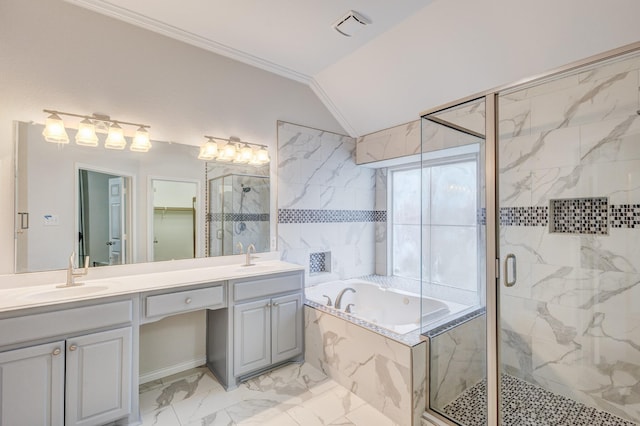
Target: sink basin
63, 293
254, 268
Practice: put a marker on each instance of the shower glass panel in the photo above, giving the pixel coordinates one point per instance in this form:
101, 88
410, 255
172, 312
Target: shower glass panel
453, 254
239, 214
569, 246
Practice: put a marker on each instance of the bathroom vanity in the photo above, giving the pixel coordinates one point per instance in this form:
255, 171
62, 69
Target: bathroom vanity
69, 356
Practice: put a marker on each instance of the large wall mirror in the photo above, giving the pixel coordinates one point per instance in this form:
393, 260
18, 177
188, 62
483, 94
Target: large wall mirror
121, 207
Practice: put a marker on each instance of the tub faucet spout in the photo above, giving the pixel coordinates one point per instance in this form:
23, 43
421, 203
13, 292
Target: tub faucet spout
339, 298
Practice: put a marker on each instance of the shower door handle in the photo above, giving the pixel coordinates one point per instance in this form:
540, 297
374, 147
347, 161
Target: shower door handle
510, 259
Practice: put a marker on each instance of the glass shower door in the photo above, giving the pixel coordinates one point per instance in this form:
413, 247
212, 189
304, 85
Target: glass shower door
569, 248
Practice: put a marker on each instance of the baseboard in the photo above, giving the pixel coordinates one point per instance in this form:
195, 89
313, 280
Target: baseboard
173, 369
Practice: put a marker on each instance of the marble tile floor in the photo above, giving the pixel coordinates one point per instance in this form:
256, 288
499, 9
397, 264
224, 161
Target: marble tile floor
525, 404
292, 395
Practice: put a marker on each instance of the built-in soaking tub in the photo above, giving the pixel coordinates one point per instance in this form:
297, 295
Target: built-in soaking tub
394, 310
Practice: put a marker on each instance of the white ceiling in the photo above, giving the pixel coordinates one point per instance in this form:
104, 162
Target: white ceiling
415, 55
293, 37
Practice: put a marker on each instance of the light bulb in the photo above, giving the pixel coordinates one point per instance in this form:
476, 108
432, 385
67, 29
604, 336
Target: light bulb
140, 142
54, 130
86, 135
115, 138
208, 150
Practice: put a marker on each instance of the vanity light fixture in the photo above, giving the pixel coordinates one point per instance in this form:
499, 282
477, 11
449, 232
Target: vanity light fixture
54, 131
87, 133
115, 138
208, 150
140, 142
233, 150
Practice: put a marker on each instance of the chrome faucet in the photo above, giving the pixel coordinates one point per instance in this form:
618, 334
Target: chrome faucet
240, 247
339, 298
73, 273
249, 257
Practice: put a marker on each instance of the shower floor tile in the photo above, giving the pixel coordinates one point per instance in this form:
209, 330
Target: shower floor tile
525, 404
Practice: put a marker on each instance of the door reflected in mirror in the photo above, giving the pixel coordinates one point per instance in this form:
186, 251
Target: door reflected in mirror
103, 218
174, 219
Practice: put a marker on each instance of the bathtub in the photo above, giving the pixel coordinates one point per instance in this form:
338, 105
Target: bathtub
391, 309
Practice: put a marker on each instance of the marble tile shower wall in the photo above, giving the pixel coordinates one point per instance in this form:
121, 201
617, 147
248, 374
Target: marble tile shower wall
326, 203
570, 324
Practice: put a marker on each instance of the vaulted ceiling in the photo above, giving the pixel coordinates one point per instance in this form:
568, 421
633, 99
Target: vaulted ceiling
414, 54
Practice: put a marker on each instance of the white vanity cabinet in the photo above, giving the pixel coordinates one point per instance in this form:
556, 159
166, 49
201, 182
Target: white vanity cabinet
262, 327
67, 367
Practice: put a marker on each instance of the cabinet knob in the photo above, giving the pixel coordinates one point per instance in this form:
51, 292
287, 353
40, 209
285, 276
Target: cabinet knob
275, 304
73, 348
187, 300
268, 305
56, 351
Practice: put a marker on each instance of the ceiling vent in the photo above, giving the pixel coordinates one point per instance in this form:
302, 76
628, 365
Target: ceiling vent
350, 23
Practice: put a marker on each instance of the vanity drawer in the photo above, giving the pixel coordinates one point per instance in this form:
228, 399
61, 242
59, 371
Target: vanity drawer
185, 301
64, 322
259, 287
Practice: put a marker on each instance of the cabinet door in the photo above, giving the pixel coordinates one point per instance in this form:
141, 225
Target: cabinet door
98, 377
286, 318
251, 336
32, 386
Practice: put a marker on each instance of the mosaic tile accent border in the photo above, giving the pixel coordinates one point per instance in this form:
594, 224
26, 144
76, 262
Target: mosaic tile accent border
238, 217
329, 216
526, 404
625, 216
580, 216
454, 323
317, 262
524, 216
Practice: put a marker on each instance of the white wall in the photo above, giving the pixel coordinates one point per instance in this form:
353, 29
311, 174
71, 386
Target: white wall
56, 55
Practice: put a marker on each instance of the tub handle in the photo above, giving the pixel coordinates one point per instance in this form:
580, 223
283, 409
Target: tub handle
328, 300
348, 308
510, 257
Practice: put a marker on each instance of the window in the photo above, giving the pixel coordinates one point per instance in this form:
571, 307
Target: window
448, 242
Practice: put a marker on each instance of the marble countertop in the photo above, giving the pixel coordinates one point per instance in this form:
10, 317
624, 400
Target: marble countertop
25, 294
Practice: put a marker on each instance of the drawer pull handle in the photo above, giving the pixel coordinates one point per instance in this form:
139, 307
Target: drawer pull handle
56, 352
187, 300
73, 348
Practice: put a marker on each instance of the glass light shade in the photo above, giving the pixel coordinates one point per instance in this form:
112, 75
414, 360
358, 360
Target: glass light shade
208, 150
254, 159
246, 153
263, 155
140, 142
54, 130
228, 152
115, 138
86, 133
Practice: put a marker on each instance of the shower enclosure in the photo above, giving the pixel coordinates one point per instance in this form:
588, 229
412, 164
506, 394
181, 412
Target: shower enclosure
554, 339
238, 214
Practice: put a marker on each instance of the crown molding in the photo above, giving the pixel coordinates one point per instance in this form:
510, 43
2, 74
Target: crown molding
333, 109
126, 15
